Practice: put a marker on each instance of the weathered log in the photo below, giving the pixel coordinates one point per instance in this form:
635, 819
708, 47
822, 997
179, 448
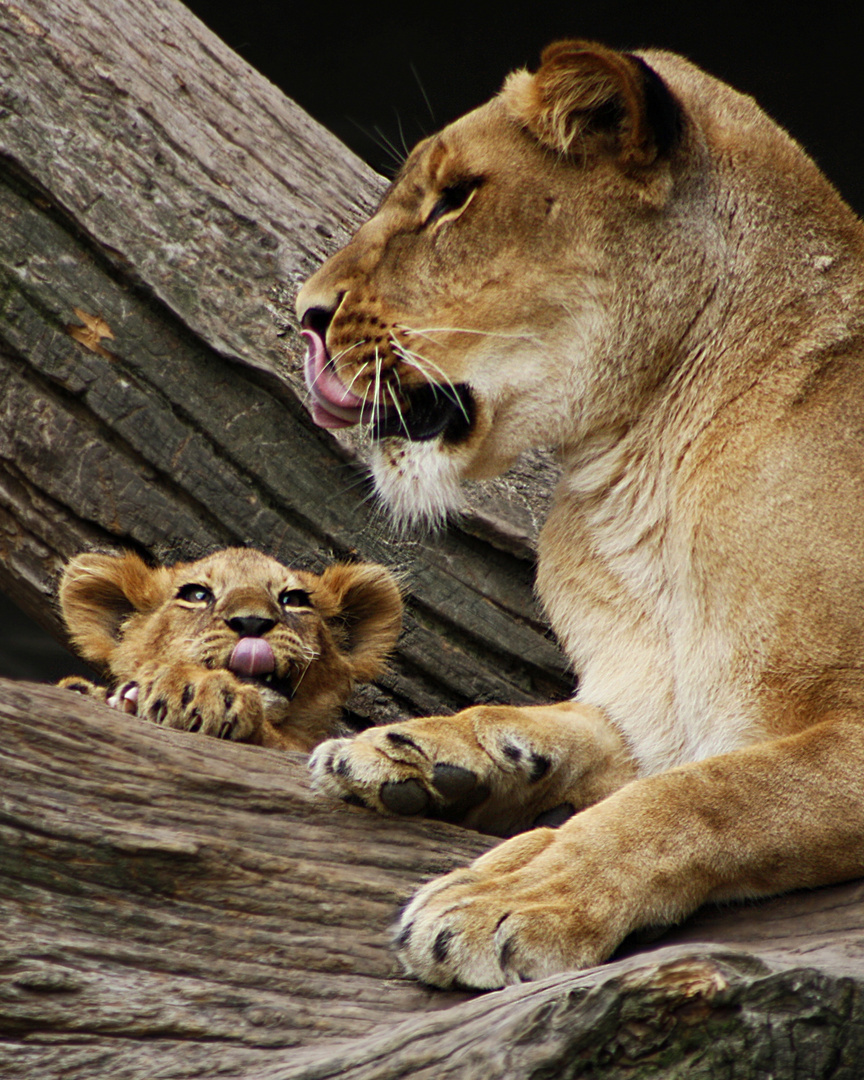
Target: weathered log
172, 906
159, 202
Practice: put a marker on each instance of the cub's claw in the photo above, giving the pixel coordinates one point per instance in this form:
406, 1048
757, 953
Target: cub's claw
125, 698
198, 700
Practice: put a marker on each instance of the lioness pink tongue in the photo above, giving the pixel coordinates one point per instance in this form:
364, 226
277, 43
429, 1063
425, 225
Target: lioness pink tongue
331, 402
252, 656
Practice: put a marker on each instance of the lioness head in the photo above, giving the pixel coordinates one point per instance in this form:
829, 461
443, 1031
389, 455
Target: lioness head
302, 639
543, 265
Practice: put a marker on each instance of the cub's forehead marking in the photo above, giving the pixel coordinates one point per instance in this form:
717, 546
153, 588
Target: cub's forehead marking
245, 566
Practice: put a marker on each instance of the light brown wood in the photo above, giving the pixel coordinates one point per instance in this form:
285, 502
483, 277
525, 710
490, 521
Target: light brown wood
174, 905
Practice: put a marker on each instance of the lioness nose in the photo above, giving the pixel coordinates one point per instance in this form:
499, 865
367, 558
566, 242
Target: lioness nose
250, 625
317, 319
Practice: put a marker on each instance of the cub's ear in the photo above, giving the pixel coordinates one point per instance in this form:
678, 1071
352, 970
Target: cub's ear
363, 605
586, 99
99, 592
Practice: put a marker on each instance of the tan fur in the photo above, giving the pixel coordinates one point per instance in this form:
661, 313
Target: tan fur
653, 278
173, 652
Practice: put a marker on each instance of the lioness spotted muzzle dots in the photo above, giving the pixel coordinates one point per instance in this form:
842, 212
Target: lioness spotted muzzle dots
624, 259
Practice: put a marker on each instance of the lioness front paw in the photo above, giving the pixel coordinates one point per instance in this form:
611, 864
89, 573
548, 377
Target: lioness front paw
490, 767
436, 767
196, 699
524, 911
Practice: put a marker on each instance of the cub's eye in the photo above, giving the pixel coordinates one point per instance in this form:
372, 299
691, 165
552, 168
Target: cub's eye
195, 594
295, 598
455, 196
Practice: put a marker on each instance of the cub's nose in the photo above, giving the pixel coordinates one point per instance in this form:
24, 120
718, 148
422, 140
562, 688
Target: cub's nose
250, 625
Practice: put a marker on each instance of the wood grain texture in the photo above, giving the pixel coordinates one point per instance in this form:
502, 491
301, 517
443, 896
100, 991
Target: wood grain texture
172, 906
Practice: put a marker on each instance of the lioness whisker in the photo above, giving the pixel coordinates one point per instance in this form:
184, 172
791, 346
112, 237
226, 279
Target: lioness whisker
344, 352
466, 330
376, 399
310, 386
357, 375
395, 400
376, 137
446, 387
388, 144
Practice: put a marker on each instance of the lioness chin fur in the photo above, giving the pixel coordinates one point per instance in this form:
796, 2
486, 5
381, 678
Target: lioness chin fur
234, 645
625, 259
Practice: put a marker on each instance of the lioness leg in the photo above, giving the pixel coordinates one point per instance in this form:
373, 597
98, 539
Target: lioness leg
496, 768
773, 817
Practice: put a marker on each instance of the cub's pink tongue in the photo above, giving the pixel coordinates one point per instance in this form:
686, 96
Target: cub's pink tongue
331, 402
252, 656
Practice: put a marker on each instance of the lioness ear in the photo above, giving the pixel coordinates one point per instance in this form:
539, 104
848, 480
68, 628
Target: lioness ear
99, 592
363, 603
586, 99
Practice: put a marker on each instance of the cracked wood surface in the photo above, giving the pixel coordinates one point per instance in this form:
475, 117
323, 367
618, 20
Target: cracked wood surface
172, 906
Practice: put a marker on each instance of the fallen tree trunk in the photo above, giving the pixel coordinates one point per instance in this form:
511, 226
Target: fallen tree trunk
172, 906
160, 202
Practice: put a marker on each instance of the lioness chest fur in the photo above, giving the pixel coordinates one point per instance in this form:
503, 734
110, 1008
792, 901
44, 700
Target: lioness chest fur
624, 259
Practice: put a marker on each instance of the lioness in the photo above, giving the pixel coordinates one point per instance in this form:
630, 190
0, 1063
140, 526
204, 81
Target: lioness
234, 645
623, 258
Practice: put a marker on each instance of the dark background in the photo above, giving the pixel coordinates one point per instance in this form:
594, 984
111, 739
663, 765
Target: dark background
383, 75
359, 68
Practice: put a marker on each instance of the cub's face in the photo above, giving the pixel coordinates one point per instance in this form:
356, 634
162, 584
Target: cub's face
494, 300
302, 639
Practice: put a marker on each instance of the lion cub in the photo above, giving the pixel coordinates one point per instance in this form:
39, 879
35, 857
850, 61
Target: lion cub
234, 645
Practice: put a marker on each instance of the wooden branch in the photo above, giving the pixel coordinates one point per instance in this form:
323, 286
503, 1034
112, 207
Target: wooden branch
171, 905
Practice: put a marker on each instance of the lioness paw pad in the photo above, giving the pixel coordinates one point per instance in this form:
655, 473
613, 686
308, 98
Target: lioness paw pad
473, 768
388, 770
516, 914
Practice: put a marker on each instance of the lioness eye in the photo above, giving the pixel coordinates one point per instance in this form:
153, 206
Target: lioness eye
453, 197
295, 598
195, 594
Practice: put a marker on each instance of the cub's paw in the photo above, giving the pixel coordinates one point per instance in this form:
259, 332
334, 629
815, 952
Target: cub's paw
469, 768
195, 699
83, 686
522, 912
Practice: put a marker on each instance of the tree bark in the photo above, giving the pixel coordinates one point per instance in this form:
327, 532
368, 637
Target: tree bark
160, 203
172, 906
